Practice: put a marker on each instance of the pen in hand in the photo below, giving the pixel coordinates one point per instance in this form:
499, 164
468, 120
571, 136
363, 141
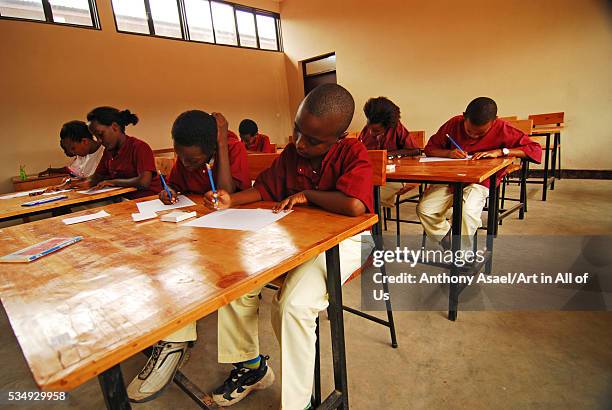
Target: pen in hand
456, 145
212, 185
166, 188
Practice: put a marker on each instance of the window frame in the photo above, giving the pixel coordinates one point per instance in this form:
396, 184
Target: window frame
48, 11
184, 25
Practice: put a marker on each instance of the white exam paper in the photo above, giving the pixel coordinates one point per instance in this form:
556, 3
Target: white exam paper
99, 191
57, 192
440, 159
238, 219
156, 205
20, 194
85, 218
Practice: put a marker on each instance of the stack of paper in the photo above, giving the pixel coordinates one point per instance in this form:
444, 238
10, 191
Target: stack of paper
156, 205
178, 216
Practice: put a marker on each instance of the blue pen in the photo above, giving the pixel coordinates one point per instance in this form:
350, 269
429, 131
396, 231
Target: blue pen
44, 201
455, 144
161, 176
212, 184
55, 248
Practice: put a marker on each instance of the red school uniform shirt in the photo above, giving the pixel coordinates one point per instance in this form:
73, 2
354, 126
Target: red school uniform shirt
259, 143
197, 181
501, 135
345, 168
132, 159
392, 140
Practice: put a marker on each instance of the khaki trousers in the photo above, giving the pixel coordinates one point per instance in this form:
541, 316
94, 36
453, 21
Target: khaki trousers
438, 199
294, 311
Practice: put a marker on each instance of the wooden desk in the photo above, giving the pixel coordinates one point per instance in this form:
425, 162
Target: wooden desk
34, 182
546, 179
12, 209
81, 311
457, 174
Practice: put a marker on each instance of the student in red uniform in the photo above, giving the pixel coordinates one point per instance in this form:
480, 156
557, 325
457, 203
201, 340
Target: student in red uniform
479, 133
127, 161
322, 169
385, 131
199, 139
253, 140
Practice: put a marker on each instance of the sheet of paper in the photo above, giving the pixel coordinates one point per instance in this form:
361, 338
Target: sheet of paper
20, 194
57, 192
238, 219
85, 218
137, 217
440, 159
99, 191
156, 205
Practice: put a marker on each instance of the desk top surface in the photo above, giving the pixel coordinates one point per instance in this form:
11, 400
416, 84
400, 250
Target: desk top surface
12, 208
81, 310
468, 171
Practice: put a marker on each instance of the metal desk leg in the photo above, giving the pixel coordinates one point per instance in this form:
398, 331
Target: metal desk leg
339, 398
558, 135
491, 222
523, 196
113, 389
545, 185
453, 295
553, 170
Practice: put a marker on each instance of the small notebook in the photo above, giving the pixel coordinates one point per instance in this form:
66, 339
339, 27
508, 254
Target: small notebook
31, 253
178, 216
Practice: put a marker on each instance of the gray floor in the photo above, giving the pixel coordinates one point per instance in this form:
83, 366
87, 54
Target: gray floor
535, 360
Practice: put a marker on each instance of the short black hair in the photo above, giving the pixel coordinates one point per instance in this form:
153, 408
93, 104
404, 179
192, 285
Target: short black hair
75, 131
109, 115
331, 99
248, 126
481, 110
382, 110
196, 128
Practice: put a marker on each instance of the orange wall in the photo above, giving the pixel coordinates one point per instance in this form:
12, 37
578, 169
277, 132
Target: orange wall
433, 57
52, 74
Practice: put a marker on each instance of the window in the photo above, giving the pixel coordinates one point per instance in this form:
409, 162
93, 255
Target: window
266, 26
73, 12
199, 20
211, 21
246, 28
166, 18
224, 22
131, 16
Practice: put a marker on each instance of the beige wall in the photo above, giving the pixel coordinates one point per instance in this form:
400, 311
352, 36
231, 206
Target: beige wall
433, 57
51, 74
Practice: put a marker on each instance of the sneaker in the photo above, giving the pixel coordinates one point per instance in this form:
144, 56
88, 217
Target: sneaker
242, 381
159, 371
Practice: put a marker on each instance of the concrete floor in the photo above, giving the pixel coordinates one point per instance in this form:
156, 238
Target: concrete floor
502, 360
